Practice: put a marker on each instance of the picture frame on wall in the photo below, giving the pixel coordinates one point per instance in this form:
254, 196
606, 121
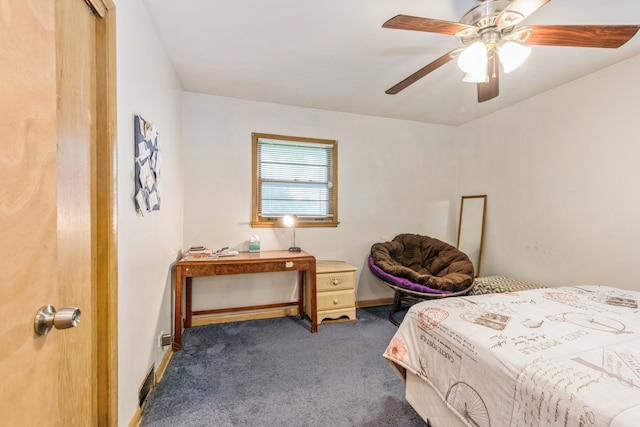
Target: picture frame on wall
147, 166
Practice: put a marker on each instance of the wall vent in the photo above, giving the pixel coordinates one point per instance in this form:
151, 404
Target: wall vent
147, 385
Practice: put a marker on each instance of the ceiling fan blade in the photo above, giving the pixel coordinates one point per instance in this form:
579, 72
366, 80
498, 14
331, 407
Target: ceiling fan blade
414, 23
606, 36
491, 88
422, 72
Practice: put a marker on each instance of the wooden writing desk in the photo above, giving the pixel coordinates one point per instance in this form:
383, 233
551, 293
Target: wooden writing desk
244, 263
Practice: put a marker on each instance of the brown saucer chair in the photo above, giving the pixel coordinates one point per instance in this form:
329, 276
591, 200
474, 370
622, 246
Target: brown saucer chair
419, 268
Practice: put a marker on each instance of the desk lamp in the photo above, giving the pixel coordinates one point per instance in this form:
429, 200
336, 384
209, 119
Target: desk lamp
290, 222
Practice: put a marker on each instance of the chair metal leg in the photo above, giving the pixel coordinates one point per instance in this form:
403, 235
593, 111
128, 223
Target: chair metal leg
397, 306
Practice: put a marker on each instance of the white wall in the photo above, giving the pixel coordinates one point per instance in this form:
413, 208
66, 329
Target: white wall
393, 176
147, 246
561, 174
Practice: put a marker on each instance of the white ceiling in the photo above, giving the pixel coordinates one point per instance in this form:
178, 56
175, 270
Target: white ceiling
335, 55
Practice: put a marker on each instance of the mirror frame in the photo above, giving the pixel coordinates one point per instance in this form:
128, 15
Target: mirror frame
475, 222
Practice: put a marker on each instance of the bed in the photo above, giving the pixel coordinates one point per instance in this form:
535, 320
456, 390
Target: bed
567, 356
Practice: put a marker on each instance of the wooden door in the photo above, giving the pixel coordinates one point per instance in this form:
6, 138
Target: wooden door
57, 244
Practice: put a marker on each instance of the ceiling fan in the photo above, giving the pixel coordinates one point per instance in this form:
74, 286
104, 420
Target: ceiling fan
490, 37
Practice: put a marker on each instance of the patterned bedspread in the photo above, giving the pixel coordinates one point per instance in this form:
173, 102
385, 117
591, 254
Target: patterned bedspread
565, 356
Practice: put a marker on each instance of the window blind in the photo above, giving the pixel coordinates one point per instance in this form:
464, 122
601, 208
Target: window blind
295, 178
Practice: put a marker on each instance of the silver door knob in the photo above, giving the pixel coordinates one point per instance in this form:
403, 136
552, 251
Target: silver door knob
48, 317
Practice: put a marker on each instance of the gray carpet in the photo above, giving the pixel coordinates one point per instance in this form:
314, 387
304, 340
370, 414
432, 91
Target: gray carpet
276, 373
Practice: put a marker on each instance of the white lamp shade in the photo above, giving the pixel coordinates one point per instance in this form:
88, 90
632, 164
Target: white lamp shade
288, 221
473, 60
512, 55
475, 78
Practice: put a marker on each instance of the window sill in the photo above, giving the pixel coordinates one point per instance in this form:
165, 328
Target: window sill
299, 224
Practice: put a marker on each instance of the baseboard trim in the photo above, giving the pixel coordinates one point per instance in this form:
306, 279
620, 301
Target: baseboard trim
374, 302
161, 369
239, 317
137, 418
270, 314
162, 366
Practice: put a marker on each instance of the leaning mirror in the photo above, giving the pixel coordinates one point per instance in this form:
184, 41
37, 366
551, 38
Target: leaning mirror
471, 228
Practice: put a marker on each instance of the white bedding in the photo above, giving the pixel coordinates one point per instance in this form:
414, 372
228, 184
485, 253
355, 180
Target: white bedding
545, 357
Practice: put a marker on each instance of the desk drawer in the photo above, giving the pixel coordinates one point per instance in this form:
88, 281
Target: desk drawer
335, 299
260, 267
335, 281
196, 270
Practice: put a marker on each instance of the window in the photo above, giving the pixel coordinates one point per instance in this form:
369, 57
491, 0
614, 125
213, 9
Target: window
296, 176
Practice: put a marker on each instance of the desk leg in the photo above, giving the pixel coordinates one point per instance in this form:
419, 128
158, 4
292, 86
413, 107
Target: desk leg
314, 303
177, 312
187, 304
301, 284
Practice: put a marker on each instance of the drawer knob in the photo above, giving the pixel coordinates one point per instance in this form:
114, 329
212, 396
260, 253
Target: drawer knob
335, 282
336, 301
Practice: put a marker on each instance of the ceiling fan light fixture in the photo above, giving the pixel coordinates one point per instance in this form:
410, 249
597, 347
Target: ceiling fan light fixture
473, 60
496, 23
475, 78
512, 55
